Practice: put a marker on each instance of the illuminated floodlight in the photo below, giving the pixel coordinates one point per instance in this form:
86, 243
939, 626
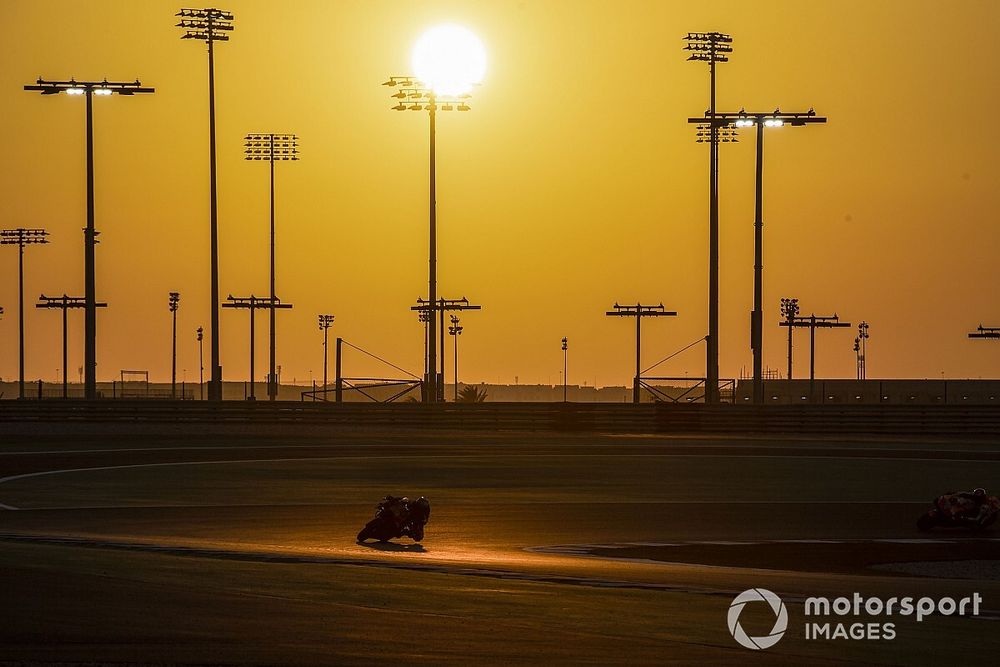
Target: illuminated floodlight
449, 59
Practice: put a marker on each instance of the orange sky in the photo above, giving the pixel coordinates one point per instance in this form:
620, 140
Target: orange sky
574, 182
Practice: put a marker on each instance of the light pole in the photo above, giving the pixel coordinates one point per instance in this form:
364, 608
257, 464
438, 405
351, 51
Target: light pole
325, 322
455, 330
210, 26
760, 120
201, 363
272, 148
789, 311
64, 303
173, 301
252, 303
21, 237
639, 311
413, 95
711, 47
565, 350
89, 89
813, 322
863, 358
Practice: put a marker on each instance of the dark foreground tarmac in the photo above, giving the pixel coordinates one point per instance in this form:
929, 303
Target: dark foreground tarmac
541, 549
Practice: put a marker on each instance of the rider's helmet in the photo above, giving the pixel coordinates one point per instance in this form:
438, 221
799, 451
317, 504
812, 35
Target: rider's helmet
979, 493
424, 506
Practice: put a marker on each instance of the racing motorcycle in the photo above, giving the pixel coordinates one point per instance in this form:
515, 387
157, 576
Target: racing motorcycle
960, 510
396, 517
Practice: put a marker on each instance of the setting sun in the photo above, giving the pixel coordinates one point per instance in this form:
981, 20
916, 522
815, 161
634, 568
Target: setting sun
449, 59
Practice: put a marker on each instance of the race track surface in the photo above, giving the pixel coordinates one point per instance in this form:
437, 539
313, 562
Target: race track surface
541, 548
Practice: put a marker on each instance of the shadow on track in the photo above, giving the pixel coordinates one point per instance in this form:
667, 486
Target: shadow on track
392, 546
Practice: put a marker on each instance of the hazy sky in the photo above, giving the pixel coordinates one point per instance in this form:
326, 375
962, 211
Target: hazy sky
574, 182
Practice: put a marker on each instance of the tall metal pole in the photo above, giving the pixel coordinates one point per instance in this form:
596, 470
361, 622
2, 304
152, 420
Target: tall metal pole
201, 365
326, 335
64, 350
432, 395
638, 363
20, 316
215, 384
173, 357
712, 346
253, 308
812, 354
456, 366
272, 385
90, 279
441, 387
757, 318
565, 349
339, 380
789, 353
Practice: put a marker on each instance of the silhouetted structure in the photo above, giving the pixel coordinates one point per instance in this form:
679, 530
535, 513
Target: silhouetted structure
64, 303
211, 25
272, 148
711, 47
812, 322
639, 311
761, 120
21, 237
325, 322
443, 305
250, 304
455, 330
985, 332
200, 333
860, 346
413, 96
565, 378
172, 302
88, 89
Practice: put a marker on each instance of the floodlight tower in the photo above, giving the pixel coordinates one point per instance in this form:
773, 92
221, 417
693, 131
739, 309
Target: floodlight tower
21, 237
272, 148
565, 351
713, 48
725, 122
200, 333
89, 89
325, 322
789, 311
413, 95
211, 25
172, 302
638, 311
455, 330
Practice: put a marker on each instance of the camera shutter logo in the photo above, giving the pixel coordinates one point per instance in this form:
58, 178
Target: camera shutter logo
780, 622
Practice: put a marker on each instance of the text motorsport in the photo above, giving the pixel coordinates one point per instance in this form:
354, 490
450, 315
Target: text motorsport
821, 615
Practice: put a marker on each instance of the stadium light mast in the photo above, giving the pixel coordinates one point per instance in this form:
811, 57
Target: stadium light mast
712, 48
325, 322
862, 352
414, 95
761, 120
565, 351
272, 148
21, 237
200, 334
211, 25
455, 330
638, 311
789, 311
173, 300
88, 89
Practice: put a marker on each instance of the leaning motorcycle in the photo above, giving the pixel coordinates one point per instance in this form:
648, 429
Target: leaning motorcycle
946, 514
397, 517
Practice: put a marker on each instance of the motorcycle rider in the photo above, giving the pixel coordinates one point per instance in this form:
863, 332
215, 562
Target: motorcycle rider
977, 503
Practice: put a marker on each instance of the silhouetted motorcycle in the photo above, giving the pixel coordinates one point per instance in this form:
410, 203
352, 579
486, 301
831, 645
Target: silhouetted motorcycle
958, 510
397, 517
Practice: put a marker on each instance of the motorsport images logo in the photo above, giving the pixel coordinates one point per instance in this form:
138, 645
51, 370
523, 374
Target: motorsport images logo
780, 620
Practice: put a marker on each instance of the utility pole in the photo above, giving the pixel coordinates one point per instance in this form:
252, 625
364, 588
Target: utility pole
250, 304
713, 48
638, 311
813, 322
455, 330
325, 322
21, 237
172, 302
64, 303
210, 26
272, 148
